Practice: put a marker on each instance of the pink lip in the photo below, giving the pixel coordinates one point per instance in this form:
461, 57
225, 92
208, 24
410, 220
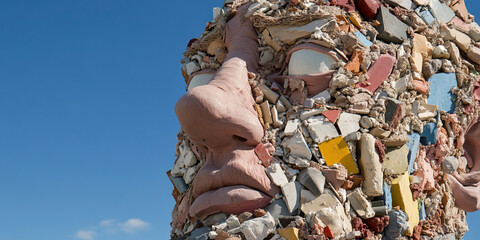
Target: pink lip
232, 200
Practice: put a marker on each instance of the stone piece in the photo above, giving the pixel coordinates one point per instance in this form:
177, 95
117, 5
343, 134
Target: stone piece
178, 183
450, 164
454, 52
191, 67
264, 154
407, 4
422, 49
366, 122
200, 233
275, 172
474, 54
348, 123
378, 73
413, 145
332, 115
291, 127
440, 91
370, 166
398, 224
395, 111
360, 204
368, 8
474, 31
401, 84
290, 233
278, 208
325, 95
321, 131
380, 132
396, 159
391, 29
309, 113
258, 228
402, 196
336, 151
462, 40
424, 111
290, 34
425, 14
363, 39
429, 134
312, 179
440, 51
441, 11
291, 195
270, 95
298, 146
306, 196
232, 222
267, 116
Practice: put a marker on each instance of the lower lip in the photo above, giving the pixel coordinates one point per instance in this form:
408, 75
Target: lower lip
231, 200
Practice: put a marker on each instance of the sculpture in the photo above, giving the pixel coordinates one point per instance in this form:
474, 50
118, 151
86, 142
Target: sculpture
226, 130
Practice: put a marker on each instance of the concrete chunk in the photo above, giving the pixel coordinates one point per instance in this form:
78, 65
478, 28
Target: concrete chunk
441, 11
360, 204
290, 34
258, 228
402, 196
401, 84
321, 131
440, 91
275, 172
291, 127
474, 54
462, 40
424, 111
396, 159
291, 195
413, 145
370, 166
380, 132
298, 146
312, 179
391, 29
378, 72
336, 151
348, 123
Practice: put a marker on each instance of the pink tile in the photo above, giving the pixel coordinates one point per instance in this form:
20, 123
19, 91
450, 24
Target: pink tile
378, 73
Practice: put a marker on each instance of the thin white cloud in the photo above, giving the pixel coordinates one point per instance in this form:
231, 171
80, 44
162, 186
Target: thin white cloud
107, 223
133, 225
85, 235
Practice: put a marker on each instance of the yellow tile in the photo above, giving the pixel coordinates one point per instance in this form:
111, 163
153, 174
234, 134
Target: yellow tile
402, 196
336, 151
290, 233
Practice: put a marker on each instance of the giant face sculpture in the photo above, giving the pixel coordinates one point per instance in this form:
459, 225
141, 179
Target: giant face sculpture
382, 86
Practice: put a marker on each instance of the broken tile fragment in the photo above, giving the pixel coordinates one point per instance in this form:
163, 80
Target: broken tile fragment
276, 174
321, 130
178, 183
258, 228
290, 233
308, 61
291, 195
368, 8
363, 39
395, 111
336, 151
396, 159
298, 146
413, 145
355, 62
278, 208
391, 29
360, 204
332, 115
312, 179
378, 72
370, 166
425, 14
355, 19
441, 11
264, 154
291, 127
440, 91
348, 123
402, 196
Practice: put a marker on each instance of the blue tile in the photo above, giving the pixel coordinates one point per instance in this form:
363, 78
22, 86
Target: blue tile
429, 135
423, 214
440, 94
413, 147
387, 196
367, 43
179, 183
425, 15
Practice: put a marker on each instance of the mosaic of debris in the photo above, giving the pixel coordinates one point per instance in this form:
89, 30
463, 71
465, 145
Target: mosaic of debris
369, 112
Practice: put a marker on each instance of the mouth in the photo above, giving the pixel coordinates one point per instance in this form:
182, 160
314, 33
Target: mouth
240, 185
232, 200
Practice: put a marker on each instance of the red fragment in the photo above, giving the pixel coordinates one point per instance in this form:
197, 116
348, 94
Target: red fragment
191, 42
332, 115
263, 153
368, 8
378, 224
328, 232
378, 73
380, 150
348, 5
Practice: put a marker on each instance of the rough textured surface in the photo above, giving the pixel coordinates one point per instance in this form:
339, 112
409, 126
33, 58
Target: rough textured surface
370, 167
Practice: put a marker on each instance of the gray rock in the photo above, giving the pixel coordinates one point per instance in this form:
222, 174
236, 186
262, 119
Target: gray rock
291, 195
391, 29
312, 179
397, 226
258, 228
278, 208
450, 164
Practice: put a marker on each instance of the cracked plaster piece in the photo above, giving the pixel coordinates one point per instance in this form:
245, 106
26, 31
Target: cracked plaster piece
312, 179
291, 127
370, 166
258, 228
322, 130
291, 195
348, 123
298, 147
275, 172
360, 204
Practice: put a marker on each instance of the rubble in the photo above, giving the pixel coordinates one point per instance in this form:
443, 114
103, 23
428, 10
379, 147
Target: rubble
364, 106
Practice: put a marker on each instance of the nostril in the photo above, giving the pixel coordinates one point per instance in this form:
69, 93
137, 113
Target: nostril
241, 139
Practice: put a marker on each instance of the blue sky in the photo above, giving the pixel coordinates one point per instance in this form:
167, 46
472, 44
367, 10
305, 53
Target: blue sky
87, 127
